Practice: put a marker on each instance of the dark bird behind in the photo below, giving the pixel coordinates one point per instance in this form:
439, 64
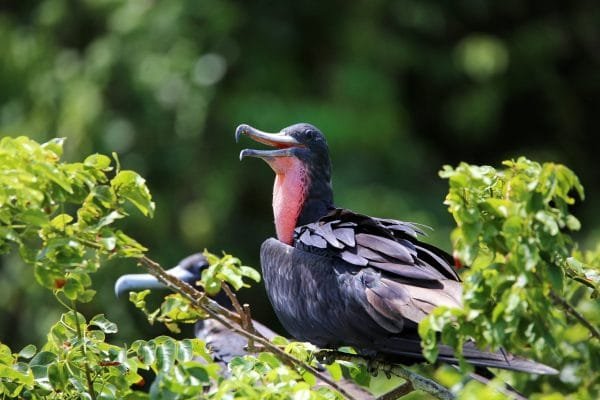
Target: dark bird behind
223, 343
338, 278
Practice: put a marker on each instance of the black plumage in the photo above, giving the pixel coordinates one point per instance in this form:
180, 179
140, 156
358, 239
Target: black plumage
223, 343
342, 278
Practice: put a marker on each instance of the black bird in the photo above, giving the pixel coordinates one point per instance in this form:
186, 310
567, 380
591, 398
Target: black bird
335, 277
223, 343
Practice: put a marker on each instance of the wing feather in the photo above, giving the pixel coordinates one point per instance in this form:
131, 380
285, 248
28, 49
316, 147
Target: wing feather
354, 259
326, 233
385, 246
409, 271
388, 245
346, 236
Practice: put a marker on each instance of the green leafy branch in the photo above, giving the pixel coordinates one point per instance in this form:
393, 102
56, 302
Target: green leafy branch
61, 215
301, 357
512, 232
231, 320
413, 380
62, 218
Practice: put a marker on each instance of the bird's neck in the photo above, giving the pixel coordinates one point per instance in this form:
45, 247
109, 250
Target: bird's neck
297, 200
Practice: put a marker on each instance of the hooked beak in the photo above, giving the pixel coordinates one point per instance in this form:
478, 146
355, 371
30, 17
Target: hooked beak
281, 140
135, 282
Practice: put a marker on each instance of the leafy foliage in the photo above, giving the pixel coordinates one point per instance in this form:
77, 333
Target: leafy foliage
228, 270
77, 362
177, 309
403, 86
527, 288
61, 217
512, 232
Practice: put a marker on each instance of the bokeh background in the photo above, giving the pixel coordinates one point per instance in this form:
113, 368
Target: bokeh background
400, 88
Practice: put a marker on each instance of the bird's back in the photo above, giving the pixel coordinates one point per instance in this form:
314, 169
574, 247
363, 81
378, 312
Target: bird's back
332, 303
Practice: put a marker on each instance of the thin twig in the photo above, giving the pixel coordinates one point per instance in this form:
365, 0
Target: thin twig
418, 382
247, 319
576, 314
234, 302
400, 391
243, 312
225, 317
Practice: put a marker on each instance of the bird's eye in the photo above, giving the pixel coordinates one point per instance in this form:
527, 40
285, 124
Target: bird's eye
309, 134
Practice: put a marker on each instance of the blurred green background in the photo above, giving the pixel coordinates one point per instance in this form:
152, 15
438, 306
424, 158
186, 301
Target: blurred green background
398, 87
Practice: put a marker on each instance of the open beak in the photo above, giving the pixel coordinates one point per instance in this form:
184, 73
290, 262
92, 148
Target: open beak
281, 140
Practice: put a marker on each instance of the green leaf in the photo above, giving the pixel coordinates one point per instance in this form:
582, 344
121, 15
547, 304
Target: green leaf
145, 351
198, 371
27, 351
280, 341
130, 186
98, 161
556, 277
109, 219
549, 222
34, 217
250, 273
55, 145
104, 324
165, 353
43, 358
335, 370
57, 376
512, 226
72, 288
269, 359
309, 378
86, 296
573, 223
61, 221
139, 298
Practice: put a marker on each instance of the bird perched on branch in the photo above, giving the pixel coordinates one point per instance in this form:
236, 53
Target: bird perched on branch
338, 278
224, 343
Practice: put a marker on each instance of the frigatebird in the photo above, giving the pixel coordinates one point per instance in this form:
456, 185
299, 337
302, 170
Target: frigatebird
339, 278
223, 343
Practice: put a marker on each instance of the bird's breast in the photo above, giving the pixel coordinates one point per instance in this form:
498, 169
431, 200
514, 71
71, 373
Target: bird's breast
314, 296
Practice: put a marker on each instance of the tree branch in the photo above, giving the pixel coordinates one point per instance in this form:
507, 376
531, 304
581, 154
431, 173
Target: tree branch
417, 381
230, 319
234, 302
400, 391
247, 319
574, 313
243, 312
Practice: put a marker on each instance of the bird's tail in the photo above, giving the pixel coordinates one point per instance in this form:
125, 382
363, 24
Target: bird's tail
410, 348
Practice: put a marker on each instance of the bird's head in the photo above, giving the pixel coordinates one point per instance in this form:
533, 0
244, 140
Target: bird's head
302, 192
188, 270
